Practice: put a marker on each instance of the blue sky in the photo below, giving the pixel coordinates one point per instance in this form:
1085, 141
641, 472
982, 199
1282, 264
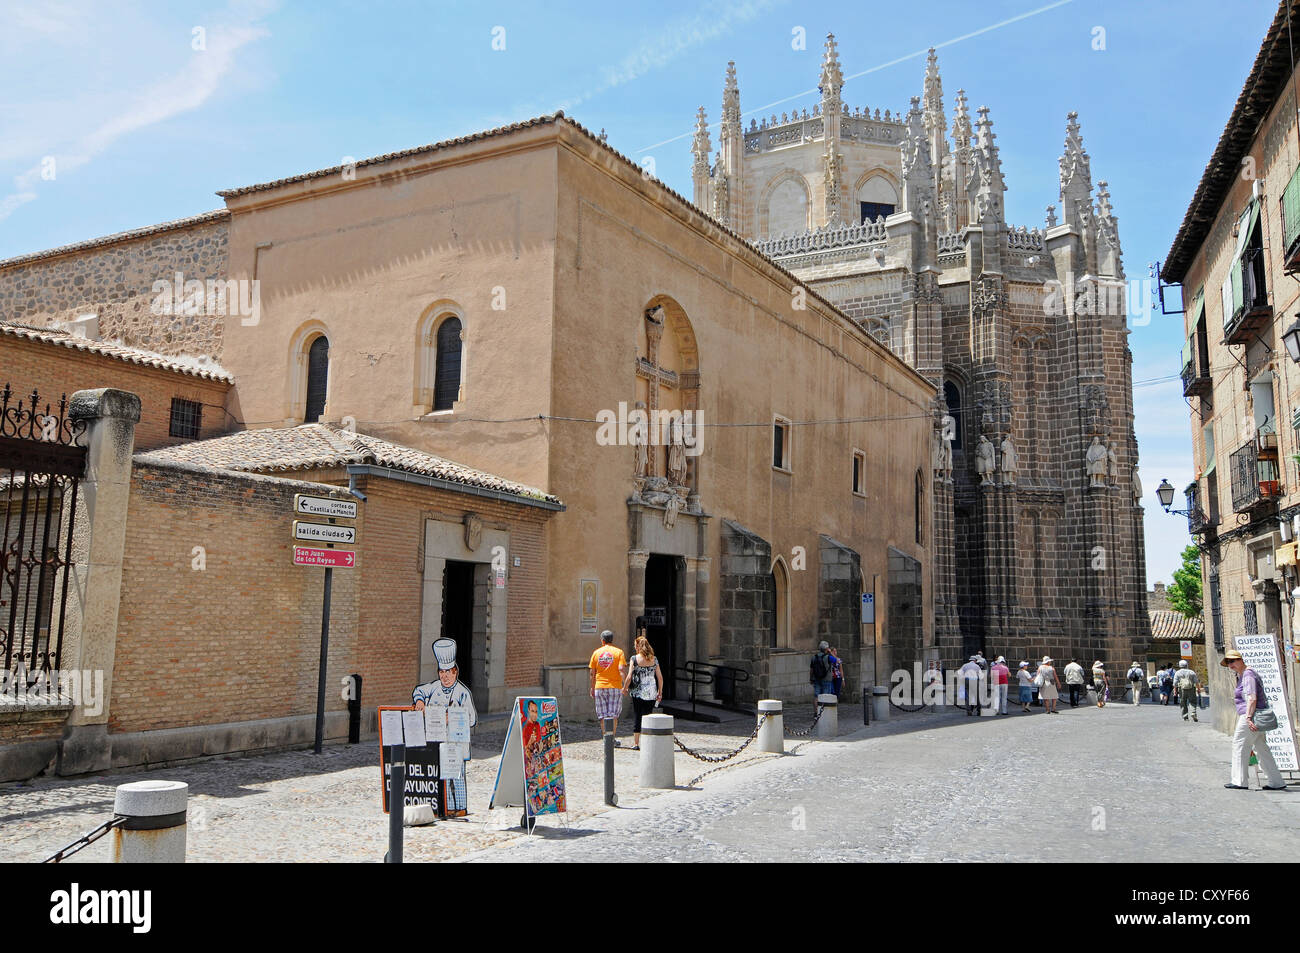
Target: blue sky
144, 127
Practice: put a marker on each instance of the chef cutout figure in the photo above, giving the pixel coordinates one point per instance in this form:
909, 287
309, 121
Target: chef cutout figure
448, 692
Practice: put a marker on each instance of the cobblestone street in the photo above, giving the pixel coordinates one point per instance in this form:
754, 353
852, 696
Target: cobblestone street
1100, 785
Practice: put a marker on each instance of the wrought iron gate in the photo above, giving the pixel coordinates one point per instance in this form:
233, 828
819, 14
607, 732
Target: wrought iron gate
42, 460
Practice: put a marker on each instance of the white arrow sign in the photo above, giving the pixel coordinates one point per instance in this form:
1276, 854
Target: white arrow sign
324, 532
324, 506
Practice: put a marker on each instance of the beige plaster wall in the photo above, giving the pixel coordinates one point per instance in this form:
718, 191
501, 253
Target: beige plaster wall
758, 356
364, 260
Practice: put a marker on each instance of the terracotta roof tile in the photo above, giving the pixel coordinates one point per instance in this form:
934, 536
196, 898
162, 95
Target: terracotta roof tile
1170, 626
193, 366
313, 446
213, 216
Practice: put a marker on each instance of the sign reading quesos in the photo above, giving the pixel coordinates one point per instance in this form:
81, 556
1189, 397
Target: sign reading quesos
324, 506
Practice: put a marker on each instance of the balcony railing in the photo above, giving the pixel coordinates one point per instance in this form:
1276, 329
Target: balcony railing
1291, 223
1255, 477
1198, 521
1196, 375
1250, 307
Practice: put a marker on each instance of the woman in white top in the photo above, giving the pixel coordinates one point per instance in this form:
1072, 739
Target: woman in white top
645, 685
1049, 685
1026, 687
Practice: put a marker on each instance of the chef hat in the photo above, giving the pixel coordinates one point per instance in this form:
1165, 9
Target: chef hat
445, 651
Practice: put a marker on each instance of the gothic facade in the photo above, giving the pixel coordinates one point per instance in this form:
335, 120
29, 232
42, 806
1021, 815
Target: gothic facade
899, 220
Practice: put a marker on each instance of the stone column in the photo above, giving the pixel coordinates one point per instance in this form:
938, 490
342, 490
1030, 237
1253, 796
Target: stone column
636, 563
99, 539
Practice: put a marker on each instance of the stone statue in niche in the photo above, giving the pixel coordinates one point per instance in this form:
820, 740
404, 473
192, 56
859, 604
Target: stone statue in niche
942, 456
676, 455
985, 457
1009, 460
1095, 463
1137, 487
671, 508
1112, 464
641, 443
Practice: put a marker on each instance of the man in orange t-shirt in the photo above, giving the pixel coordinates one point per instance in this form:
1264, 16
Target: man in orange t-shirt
608, 672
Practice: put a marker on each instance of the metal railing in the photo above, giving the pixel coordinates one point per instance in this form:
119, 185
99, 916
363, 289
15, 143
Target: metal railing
1255, 477
723, 678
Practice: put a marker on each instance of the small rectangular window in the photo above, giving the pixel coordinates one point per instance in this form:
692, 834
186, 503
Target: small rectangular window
187, 418
781, 443
859, 473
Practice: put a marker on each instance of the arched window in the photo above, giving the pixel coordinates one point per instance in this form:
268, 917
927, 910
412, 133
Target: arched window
952, 397
446, 382
781, 606
877, 199
318, 368
920, 508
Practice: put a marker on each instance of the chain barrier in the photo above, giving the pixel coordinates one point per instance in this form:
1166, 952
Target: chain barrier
710, 759
804, 732
722, 767
85, 840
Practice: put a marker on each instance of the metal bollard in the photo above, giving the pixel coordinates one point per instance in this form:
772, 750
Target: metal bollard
880, 702
828, 725
771, 734
610, 797
396, 803
154, 830
657, 767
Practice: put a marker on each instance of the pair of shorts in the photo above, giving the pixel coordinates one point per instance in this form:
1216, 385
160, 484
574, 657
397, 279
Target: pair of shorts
609, 702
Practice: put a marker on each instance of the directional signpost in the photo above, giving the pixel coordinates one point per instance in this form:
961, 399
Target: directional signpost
330, 528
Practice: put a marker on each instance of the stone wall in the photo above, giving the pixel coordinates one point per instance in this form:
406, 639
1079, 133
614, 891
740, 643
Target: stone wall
839, 594
748, 610
115, 278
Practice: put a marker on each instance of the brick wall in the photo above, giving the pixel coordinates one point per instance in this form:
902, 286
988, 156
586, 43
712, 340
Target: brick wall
54, 370
239, 639
115, 280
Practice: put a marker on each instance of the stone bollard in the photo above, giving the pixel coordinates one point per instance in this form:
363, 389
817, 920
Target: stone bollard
771, 735
154, 832
828, 725
657, 767
880, 703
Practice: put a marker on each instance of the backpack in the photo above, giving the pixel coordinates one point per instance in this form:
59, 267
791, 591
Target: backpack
819, 669
1185, 680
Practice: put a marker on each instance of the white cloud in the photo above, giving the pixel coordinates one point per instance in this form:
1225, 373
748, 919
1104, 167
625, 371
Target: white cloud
79, 131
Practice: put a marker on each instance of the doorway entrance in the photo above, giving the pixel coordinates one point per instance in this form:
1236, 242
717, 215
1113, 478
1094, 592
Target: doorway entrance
661, 616
458, 615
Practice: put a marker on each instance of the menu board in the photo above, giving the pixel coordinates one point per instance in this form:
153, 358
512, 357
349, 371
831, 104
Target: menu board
1260, 654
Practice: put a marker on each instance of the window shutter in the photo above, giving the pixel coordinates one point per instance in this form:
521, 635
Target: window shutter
446, 386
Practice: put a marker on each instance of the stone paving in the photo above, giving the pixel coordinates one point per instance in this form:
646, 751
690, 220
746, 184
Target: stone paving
1105, 785
1100, 785
299, 806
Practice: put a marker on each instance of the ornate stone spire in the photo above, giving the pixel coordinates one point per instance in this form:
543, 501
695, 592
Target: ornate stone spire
989, 184
1076, 176
918, 171
731, 100
832, 80
1109, 254
961, 129
700, 149
933, 98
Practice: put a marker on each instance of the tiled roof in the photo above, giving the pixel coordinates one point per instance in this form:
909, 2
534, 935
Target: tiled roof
313, 446
390, 156
214, 216
1268, 78
1170, 626
193, 366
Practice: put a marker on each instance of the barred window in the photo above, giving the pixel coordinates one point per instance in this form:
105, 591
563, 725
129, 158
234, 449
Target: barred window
187, 418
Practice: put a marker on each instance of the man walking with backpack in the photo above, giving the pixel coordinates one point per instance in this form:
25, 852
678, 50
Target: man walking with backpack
1135, 677
1186, 683
821, 671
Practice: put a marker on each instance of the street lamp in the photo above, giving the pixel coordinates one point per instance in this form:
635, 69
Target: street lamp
1291, 338
1166, 493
